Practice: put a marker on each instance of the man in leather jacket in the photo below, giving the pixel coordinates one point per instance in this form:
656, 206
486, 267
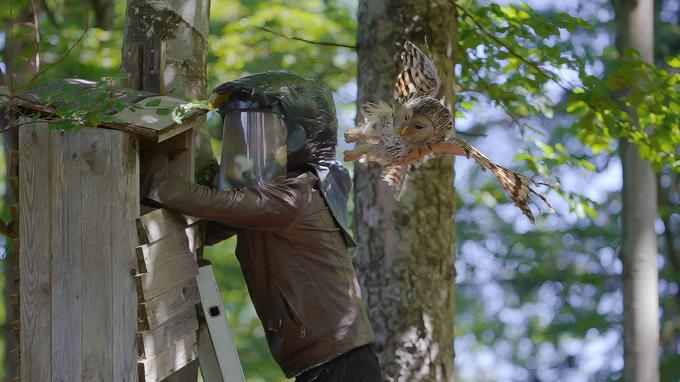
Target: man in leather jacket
292, 237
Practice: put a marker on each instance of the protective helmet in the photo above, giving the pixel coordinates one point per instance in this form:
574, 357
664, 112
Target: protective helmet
304, 108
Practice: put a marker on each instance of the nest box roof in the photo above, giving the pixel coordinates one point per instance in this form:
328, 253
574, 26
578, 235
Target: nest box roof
146, 114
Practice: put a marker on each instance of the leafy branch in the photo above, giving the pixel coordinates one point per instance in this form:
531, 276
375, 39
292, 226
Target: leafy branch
634, 100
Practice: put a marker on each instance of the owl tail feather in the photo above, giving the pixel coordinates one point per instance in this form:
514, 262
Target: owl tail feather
517, 186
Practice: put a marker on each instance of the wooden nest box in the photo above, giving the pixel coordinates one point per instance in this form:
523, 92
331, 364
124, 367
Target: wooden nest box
105, 294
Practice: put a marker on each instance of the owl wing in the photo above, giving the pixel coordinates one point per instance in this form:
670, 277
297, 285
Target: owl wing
377, 120
419, 75
368, 135
517, 186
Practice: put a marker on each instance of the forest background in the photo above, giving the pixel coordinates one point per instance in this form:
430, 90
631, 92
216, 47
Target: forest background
536, 302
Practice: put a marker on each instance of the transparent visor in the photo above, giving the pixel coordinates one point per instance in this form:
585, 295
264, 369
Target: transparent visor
254, 149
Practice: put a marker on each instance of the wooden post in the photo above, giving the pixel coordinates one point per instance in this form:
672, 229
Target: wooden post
78, 203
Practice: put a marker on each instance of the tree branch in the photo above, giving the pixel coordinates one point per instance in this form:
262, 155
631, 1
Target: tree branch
62, 58
322, 43
36, 24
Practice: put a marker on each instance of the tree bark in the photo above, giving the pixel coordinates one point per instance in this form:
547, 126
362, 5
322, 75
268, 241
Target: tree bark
165, 50
104, 14
639, 240
406, 248
183, 27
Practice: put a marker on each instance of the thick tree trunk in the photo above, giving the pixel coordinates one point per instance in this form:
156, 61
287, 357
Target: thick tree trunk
180, 29
104, 14
165, 50
639, 240
406, 248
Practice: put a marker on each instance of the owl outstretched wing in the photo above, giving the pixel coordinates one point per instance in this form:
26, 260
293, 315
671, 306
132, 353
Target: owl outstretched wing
517, 186
418, 75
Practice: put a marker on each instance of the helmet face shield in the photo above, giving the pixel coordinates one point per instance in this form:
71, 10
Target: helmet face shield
254, 148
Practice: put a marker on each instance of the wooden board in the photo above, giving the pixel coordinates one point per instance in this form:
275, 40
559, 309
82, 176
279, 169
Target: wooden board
154, 312
165, 277
96, 275
125, 200
144, 122
168, 249
151, 343
83, 237
146, 114
65, 233
172, 359
159, 223
196, 235
35, 283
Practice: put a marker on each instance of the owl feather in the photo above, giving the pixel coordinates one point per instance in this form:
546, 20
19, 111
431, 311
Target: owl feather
417, 95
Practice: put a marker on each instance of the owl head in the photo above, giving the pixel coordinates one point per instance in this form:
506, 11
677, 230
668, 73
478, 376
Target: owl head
421, 119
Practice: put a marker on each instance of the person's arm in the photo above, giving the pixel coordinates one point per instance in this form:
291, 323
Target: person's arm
271, 207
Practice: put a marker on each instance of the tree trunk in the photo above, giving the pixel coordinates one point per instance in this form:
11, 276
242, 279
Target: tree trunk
165, 50
639, 240
104, 14
406, 248
180, 32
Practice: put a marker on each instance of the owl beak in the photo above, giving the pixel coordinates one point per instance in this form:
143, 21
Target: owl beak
403, 131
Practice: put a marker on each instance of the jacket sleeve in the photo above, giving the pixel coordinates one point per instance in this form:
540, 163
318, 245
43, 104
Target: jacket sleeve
271, 207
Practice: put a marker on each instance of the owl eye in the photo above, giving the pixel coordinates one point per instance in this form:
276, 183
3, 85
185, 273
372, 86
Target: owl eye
406, 117
418, 127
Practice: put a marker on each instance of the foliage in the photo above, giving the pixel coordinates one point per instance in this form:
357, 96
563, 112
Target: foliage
520, 60
250, 37
647, 112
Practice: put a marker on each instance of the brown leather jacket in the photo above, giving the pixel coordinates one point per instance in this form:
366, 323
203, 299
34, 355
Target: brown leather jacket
294, 260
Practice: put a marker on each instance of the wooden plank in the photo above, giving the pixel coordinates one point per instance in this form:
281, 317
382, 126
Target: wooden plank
125, 162
172, 359
182, 164
159, 223
148, 133
66, 192
154, 63
167, 249
35, 284
187, 123
188, 373
97, 286
173, 144
153, 342
165, 276
154, 312
146, 115
196, 235
132, 64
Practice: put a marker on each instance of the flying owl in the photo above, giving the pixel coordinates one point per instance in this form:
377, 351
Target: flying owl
418, 125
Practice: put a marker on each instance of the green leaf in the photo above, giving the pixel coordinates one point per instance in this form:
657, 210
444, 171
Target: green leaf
153, 103
163, 111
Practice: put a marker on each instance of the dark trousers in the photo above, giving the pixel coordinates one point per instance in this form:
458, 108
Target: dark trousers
357, 365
